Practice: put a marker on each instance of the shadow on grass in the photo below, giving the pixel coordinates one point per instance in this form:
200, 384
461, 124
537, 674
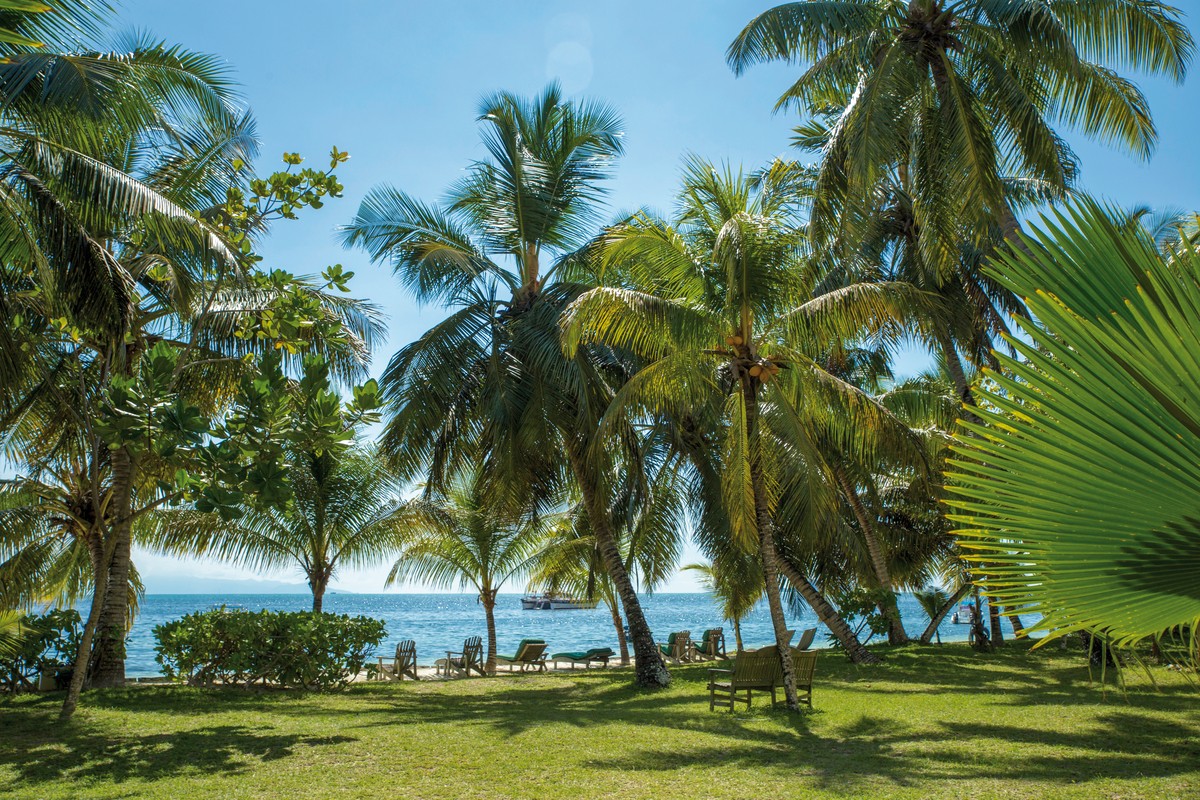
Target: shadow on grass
846, 744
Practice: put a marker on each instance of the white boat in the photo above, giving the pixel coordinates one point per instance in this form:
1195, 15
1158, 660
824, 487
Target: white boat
964, 616
552, 602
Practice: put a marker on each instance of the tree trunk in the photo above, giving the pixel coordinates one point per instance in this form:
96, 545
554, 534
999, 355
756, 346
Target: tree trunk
737, 633
1017, 625
936, 621
488, 598
83, 656
978, 633
827, 614
318, 592
891, 610
650, 669
108, 667
994, 622
622, 642
766, 548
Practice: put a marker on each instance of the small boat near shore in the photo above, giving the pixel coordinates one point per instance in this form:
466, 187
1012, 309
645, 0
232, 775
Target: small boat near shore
554, 602
965, 615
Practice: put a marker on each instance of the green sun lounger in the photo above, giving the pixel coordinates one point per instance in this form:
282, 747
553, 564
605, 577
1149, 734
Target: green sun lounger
531, 653
597, 655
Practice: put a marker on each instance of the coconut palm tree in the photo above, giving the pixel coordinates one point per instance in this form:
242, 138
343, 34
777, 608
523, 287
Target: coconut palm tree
725, 312
489, 385
735, 581
461, 536
345, 512
958, 93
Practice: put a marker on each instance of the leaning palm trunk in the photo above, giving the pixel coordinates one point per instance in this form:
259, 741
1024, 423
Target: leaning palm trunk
896, 633
108, 661
766, 552
622, 642
935, 621
83, 655
827, 614
650, 668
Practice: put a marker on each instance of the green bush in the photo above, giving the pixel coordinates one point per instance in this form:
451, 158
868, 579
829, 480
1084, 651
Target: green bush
47, 642
298, 650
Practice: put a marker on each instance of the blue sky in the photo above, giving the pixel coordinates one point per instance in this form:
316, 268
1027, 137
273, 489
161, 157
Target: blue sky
397, 84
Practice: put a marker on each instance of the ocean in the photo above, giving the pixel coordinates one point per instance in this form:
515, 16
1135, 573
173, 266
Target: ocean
440, 622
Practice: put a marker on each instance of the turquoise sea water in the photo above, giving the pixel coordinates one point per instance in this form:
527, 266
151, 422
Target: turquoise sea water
440, 622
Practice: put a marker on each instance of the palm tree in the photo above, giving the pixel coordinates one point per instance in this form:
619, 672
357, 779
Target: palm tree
1096, 416
958, 93
736, 582
725, 312
460, 536
345, 511
489, 385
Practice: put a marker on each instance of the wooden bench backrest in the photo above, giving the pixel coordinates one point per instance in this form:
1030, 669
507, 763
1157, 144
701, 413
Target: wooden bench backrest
804, 664
756, 668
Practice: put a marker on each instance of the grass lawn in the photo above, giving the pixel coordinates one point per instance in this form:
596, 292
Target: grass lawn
930, 722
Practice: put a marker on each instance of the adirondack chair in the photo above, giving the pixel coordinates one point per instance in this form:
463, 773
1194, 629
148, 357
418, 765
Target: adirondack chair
753, 670
806, 639
461, 663
678, 647
712, 645
403, 663
531, 653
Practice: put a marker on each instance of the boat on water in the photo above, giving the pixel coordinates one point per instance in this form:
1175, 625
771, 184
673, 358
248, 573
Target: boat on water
964, 616
554, 602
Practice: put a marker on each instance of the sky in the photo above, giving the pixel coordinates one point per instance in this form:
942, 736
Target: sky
397, 84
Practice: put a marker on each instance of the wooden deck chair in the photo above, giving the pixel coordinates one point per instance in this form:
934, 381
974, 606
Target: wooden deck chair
753, 670
712, 644
678, 647
806, 639
403, 663
462, 662
531, 653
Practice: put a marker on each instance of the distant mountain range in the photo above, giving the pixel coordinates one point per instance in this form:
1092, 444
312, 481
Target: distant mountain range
186, 584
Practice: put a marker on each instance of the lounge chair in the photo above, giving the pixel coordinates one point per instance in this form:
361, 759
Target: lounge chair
712, 644
806, 639
597, 655
678, 647
530, 653
403, 663
753, 670
461, 663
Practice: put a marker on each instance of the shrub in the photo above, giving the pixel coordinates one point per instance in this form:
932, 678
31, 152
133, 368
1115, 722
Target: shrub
47, 642
288, 649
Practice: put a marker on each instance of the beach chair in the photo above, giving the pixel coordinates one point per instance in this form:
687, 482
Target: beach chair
403, 663
712, 644
753, 671
806, 639
530, 653
678, 647
804, 666
597, 655
462, 662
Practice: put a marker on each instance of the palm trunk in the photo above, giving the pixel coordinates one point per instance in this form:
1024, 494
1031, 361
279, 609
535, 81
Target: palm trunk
108, 665
1017, 625
978, 633
318, 592
622, 642
936, 621
994, 621
83, 656
488, 598
766, 548
827, 614
650, 669
891, 610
